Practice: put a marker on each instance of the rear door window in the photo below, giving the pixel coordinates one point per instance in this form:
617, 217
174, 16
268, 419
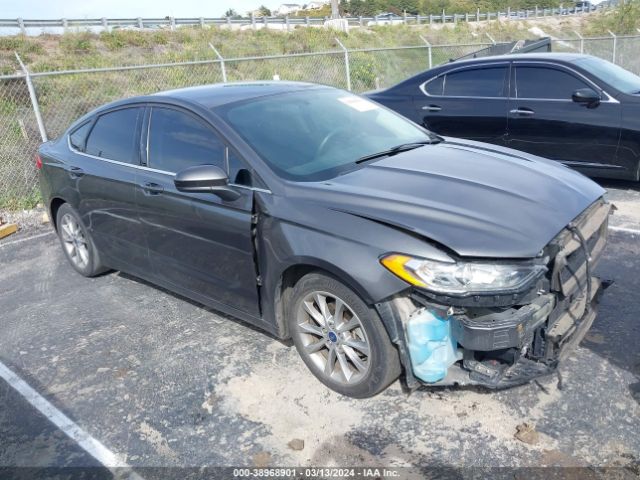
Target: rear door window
546, 83
178, 140
115, 136
486, 82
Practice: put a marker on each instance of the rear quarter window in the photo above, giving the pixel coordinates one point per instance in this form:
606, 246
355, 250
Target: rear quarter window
79, 135
435, 86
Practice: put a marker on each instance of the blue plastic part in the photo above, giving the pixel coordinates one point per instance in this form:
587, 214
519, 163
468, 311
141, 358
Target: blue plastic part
432, 347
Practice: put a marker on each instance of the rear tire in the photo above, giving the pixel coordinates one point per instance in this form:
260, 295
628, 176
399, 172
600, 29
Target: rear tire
340, 338
77, 243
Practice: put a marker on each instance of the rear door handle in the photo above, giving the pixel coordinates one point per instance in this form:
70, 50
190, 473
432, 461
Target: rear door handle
151, 188
75, 172
432, 108
523, 112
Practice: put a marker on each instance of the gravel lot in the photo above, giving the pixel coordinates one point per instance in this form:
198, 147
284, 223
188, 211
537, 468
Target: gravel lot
163, 382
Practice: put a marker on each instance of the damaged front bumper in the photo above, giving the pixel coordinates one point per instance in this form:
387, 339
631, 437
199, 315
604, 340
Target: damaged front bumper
498, 345
519, 348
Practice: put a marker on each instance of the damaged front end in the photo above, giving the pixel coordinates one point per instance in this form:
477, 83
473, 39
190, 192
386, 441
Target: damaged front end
501, 339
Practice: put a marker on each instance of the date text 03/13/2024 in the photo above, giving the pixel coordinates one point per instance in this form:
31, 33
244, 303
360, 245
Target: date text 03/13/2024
313, 473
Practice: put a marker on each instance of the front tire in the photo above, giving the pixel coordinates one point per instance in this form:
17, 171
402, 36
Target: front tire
77, 243
340, 338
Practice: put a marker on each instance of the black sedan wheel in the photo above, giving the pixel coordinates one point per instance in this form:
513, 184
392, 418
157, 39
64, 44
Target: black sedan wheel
340, 338
76, 242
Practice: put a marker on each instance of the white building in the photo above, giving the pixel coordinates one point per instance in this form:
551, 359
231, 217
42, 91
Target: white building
317, 4
288, 8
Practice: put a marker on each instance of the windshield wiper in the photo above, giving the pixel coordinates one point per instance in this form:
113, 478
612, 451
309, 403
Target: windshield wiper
403, 147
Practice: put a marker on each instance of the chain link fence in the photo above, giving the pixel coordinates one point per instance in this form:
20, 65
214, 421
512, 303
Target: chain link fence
19, 140
62, 96
326, 68
626, 53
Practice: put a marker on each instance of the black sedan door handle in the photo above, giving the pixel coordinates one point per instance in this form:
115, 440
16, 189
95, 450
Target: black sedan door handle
151, 188
75, 172
523, 112
432, 108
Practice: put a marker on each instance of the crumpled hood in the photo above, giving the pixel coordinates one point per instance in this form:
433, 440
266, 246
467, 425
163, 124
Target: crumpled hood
476, 199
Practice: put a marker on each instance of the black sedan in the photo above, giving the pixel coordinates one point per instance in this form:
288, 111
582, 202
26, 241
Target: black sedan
580, 110
320, 216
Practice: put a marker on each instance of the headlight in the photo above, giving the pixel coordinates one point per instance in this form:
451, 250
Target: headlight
461, 277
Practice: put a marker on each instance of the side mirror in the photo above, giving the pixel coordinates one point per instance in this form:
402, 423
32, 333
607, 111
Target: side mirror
586, 96
205, 179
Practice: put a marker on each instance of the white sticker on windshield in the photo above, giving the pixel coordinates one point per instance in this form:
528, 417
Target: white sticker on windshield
359, 104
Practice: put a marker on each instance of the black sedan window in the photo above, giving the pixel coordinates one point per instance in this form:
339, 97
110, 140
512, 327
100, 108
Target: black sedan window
476, 82
435, 87
318, 134
546, 83
78, 136
178, 140
115, 136
614, 75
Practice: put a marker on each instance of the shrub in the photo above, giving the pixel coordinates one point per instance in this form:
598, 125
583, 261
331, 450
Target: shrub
77, 42
22, 44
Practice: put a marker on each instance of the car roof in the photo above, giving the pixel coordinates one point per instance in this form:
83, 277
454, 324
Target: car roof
561, 57
207, 96
214, 95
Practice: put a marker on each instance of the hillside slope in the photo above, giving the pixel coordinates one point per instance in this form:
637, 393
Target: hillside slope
81, 49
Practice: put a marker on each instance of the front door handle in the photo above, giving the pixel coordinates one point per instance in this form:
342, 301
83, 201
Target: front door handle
151, 188
432, 108
75, 172
523, 112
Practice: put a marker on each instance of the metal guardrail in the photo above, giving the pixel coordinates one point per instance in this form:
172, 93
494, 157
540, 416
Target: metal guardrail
24, 25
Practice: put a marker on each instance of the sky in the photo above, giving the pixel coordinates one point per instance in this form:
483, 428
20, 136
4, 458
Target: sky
45, 9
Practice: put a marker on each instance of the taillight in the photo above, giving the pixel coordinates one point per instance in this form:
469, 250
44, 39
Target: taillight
38, 162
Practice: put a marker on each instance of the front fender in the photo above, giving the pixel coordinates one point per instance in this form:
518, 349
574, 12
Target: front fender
304, 233
283, 245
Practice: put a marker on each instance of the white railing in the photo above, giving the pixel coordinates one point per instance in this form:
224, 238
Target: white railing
27, 26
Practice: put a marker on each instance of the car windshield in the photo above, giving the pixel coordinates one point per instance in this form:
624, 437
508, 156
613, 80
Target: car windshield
616, 76
317, 134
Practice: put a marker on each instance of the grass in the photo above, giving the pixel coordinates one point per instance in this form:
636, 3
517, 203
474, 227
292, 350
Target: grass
20, 201
624, 20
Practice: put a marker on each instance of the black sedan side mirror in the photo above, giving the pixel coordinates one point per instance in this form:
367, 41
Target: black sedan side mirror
587, 96
205, 179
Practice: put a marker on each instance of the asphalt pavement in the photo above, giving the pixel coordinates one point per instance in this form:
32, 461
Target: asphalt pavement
164, 383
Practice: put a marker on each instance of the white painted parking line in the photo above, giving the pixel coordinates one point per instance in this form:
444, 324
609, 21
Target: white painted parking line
89, 444
4, 244
624, 229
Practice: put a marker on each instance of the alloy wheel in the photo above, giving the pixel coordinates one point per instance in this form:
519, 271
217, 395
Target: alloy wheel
74, 241
333, 337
